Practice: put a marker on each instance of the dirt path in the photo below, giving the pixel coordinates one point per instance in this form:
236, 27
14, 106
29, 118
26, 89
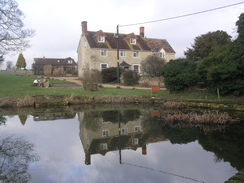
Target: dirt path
78, 81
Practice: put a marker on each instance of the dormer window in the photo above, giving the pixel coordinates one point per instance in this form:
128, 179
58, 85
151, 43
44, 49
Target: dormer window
101, 39
161, 53
132, 41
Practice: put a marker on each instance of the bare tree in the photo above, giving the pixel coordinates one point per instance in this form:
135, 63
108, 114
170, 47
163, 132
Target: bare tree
152, 65
13, 36
15, 156
9, 65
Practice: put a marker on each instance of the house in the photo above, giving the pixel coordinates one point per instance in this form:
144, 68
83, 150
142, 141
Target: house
97, 50
54, 66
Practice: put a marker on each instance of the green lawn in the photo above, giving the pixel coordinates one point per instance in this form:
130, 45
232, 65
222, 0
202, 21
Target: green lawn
20, 86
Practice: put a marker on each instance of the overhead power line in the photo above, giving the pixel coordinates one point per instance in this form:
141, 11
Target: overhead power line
181, 16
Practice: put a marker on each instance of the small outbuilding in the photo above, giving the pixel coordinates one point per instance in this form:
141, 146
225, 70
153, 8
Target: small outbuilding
54, 66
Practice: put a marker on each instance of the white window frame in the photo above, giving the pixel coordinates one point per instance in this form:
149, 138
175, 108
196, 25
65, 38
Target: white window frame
105, 133
101, 39
135, 141
135, 54
124, 131
133, 67
137, 129
102, 65
132, 41
122, 53
104, 53
162, 54
103, 146
70, 61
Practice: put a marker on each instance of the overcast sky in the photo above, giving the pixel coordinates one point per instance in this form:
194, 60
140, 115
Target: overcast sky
58, 22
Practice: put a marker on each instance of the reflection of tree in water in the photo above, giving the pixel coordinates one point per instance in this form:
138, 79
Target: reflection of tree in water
125, 115
2, 120
91, 120
151, 124
23, 118
15, 156
225, 142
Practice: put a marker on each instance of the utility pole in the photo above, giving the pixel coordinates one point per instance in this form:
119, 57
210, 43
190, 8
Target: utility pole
118, 79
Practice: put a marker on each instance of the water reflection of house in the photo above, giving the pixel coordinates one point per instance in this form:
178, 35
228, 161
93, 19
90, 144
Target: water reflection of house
53, 116
104, 137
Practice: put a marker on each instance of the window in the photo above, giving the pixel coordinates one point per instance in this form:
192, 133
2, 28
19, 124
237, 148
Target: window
136, 54
135, 141
70, 61
103, 53
103, 146
124, 131
137, 129
161, 54
104, 66
132, 41
85, 43
105, 133
136, 68
122, 53
101, 39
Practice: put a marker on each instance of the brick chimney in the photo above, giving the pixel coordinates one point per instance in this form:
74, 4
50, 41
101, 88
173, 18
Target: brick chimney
142, 31
84, 27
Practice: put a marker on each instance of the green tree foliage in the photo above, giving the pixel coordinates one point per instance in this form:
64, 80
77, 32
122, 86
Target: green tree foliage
152, 65
179, 75
21, 61
224, 69
131, 78
206, 44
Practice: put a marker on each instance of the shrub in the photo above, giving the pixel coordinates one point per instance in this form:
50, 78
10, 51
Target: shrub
109, 75
179, 75
131, 78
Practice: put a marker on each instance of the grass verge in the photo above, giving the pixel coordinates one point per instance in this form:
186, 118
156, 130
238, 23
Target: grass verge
12, 86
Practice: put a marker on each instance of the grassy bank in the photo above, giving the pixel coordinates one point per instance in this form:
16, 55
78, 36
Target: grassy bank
12, 86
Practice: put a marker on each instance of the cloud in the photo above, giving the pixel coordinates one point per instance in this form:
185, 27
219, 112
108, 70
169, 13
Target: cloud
58, 23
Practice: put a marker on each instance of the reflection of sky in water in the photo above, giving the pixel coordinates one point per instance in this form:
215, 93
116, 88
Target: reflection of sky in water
62, 158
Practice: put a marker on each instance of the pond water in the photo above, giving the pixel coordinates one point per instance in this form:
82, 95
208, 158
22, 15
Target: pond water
87, 146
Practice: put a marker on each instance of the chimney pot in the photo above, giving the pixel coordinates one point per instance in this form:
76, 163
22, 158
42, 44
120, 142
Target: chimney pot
84, 27
142, 29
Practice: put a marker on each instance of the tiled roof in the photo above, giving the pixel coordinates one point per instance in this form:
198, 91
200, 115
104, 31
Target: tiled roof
142, 44
158, 44
54, 61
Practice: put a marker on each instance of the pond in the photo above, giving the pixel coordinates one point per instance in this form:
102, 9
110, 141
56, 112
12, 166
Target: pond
115, 145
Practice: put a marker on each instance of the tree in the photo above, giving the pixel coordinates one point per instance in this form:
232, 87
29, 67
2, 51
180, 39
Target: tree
152, 65
21, 62
15, 156
13, 36
1, 60
223, 69
206, 44
9, 65
179, 75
